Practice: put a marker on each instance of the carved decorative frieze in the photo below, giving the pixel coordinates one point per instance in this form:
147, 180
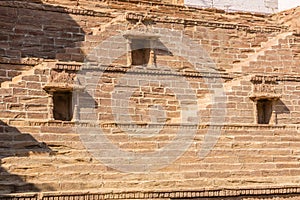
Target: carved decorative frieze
209, 193
44, 7
264, 87
63, 78
194, 22
67, 66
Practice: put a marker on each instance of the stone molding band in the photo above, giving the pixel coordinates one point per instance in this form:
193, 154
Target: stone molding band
111, 69
138, 16
171, 126
43, 7
193, 22
155, 194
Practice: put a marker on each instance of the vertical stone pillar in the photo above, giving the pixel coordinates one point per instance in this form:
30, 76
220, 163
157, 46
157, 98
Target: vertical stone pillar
151, 62
75, 117
151, 58
274, 114
255, 112
50, 106
129, 57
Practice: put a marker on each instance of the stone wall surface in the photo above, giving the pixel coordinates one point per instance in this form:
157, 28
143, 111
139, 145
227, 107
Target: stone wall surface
259, 6
199, 85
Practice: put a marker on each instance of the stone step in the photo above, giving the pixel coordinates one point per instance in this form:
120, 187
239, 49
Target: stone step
16, 187
9, 71
260, 51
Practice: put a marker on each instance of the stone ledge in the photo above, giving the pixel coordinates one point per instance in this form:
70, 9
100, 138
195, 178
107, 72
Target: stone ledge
87, 12
205, 74
58, 123
94, 195
22, 61
43, 7
157, 72
155, 18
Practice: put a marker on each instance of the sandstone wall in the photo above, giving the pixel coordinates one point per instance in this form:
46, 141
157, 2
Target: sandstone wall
260, 6
240, 53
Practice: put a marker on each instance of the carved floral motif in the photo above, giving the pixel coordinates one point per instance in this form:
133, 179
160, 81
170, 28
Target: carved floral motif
264, 87
62, 76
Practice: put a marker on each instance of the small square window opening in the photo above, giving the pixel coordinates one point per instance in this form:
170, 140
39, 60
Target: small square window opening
140, 51
264, 111
62, 106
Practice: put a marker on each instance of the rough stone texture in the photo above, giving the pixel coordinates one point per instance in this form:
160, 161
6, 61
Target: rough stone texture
259, 6
42, 46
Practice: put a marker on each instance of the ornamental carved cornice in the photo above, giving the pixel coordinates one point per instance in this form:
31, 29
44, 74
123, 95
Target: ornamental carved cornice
195, 22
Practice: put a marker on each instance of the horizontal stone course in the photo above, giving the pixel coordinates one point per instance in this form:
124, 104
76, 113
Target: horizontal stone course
237, 50
170, 195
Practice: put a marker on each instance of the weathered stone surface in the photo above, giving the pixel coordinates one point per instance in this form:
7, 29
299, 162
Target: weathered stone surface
229, 61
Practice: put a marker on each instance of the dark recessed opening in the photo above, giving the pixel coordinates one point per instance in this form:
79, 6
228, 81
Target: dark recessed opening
62, 106
264, 111
140, 51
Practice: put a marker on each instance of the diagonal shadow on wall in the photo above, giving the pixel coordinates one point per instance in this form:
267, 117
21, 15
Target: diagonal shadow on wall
36, 30
31, 29
13, 143
281, 108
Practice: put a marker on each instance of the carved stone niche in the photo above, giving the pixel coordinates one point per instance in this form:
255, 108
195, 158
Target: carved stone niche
141, 48
264, 96
63, 89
